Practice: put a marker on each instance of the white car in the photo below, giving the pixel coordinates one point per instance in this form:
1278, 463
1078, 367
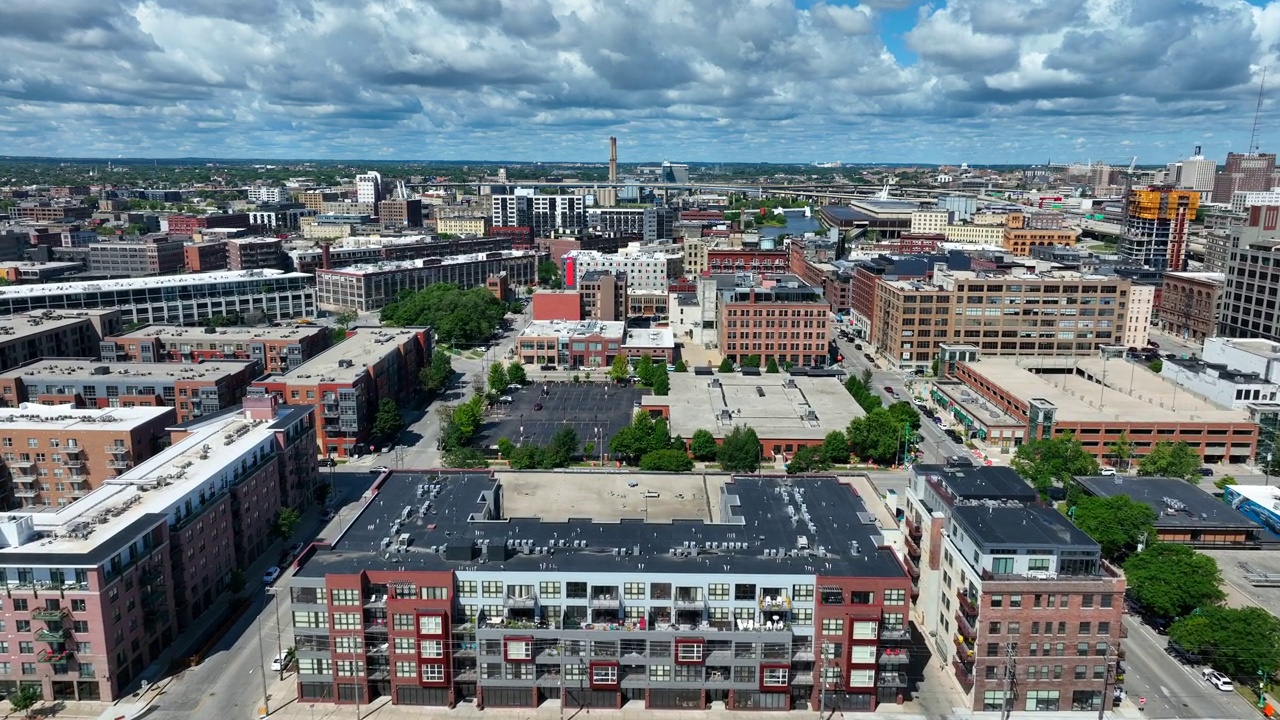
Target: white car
1218, 680
271, 575
280, 662
1107, 471
379, 469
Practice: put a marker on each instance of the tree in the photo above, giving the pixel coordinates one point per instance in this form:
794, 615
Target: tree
772, 365
751, 361
645, 370
1241, 642
506, 448
740, 451
1170, 580
835, 448
337, 335
548, 273
438, 372
620, 369
497, 377
860, 389
904, 414
346, 317
669, 460
25, 698
287, 521
1156, 366
563, 446
703, 445
661, 382
1053, 461
933, 367
1121, 449
875, 437
808, 459
726, 366
1117, 523
465, 458
1222, 482
516, 374
459, 317
1175, 460
388, 423
681, 367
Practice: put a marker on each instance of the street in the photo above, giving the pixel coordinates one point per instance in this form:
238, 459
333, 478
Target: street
1172, 690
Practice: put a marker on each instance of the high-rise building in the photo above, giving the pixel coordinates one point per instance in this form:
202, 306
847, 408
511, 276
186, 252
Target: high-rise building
564, 214
659, 224
400, 213
369, 188
1243, 311
1244, 172
1155, 226
512, 210
1197, 173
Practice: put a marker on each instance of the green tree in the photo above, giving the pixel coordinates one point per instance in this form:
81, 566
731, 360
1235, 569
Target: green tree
516, 374
681, 367
1224, 481
1156, 366
1170, 579
563, 446
437, 374
726, 366
548, 273
703, 445
620, 369
465, 457
875, 437
459, 317
933, 367
337, 335
1117, 523
751, 361
1238, 641
236, 581
1053, 461
661, 382
669, 460
497, 377
835, 448
1121, 450
505, 448
24, 699
1177, 460
772, 365
388, 423
808, 459
905, 414
740, 451
528, 457
346, 317
287, 520
860, 389
645, 370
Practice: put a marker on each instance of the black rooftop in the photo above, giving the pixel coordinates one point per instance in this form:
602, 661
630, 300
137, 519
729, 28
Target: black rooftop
465, 528
1177, 503
1020, 527
984, 482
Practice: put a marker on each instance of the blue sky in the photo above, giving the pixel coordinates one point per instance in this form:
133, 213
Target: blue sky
978, 81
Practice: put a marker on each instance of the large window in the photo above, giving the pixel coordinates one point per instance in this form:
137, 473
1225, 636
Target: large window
633, 591
431, 648
688, 652
344, 597
433, 673
549, 590
895, 597
491, 588
1042, 700
802, 593
660, 672
775, 677
718, 591
604, 675
833, 626
346, 621
406, 669
430, 625
864, 629
862, 678
862, 653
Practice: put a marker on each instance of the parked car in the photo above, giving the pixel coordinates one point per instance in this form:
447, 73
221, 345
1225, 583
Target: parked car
1206, 472
937, 419
505, 399
955, 437
271, 575
889, 390
1218, 680
537, 407
379, 470
280, 661
328, 462
329, 514
514, 386
295, 549
1181, 654
1154, 344
1107, 470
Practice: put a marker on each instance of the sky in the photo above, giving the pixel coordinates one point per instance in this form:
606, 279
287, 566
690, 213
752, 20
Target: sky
941, 82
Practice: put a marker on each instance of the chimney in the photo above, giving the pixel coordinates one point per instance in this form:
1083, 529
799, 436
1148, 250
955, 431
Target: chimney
613, 159
324, 256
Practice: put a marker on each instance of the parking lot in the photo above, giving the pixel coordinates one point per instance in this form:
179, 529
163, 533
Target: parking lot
582, 406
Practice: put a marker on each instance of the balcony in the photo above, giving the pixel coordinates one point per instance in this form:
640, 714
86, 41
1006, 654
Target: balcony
608, 601
21, 463
912, 569
894, 656
51, 656
47, 614
914, 530
775, 602
74, 450
964, 647
51, 636
520, 602
120, 463
894, 633
964, 676
967, 606
802, 652
689, 602
329, 410
25, 492
891, 679
73, 462
913, 550
117, 449
964, 626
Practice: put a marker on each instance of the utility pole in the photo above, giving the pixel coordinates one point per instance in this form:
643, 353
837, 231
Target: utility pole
1106, 680
1010, 673
262, 659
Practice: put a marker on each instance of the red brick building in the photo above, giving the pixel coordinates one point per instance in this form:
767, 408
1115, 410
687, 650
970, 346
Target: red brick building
206, 256
729, 260
277, 348
785, 320
519, 237
551, 305
187, 225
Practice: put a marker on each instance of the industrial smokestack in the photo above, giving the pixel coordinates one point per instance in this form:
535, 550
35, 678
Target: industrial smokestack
613, 159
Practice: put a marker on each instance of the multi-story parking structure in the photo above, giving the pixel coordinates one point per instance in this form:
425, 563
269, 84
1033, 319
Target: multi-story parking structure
780, 594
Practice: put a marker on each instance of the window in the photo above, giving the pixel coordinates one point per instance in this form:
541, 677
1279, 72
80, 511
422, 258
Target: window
1082, 671
352, 668
433, 673
78, 606
1015, 628
895, 597
344, 597
804, 593
467, 588
404, 646
997, 601
348, 644
576, 591
430, 625
310, 619
1099, 672
26, 647
1015, 601
346, 621
549, 589
491, 588
633, 591
1042, 700
993, 700
860, 653
993, 649
865, 629
802, 616
718, 591
862, 598
430, 648
433, 593
862, 678
1106, 601
1086, 628
744, 591
519, 650
1100, 649
1086, 600
775, 677
404, 621
659, 672
1082, 649
993, 628
689, 652
1064, 601
604, 675
406, 669
1104, 628
833, 626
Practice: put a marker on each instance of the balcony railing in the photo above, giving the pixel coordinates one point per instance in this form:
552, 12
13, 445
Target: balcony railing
914, 530
895, 656
913, 549
892, 679
120, 464
775, 602
49, 614
525, 602
50, 656
964, 676
964, 626
117, 449
967, 606
74, 450
73, 462
25, 492
605, 602
688, 603
20, 463
964, 647
912, 569
894, 632
51, 636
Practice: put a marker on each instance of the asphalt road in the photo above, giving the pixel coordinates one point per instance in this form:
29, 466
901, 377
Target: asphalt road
1172, 690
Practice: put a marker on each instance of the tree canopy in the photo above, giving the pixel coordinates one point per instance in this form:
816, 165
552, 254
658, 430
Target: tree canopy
1176, 460
1117, 523
388, 423
668, 460
1053, 461
878, 437
437, 374
862, 394
516, 373
1171, 580
497, 377
661, 381
808, 459
703, 445
1238, 641
740, 451
620, 369
460, 317
644, 435
726, 366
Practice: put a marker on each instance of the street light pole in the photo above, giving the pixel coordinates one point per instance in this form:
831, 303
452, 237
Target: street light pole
262, 658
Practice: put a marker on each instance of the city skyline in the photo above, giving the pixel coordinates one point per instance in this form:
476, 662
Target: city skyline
978, 81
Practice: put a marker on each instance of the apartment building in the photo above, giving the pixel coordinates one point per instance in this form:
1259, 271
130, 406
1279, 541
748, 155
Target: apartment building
47, 212
96, 591
255, 253
40, 334
346, 383
261, 194
207, 256
275, 349
1244, 172
17, 272
58, 453
463, 226
565, 214
1015, 599
362, 250
369, 287
400, 213
1155, 226
604, 295
512, 211
1247, 308
158, 255
982, 231
189, 299
1189, 304
369, 188
786, 321
1062, 312
192, 390
315, 199
740, 260
798, 615
1020, 240
188, 225
647, 271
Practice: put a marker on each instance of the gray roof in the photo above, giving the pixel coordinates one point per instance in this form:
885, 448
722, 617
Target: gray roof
984, 482
1012, 526
1191, 507
757, 536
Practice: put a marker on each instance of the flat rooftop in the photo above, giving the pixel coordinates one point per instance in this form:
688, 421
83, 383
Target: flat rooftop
1076, 387
32, 265
980, 482
349, 359
1020, 526
1178, 504
1209, 277
34, 416
42, 321
650, 337
142, 283
452, 518
574, 328
113, 516
66, 369
416, 263
230, 334
976, 407
776, 405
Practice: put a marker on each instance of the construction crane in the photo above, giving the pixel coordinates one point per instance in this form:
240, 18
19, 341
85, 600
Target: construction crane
1257, 115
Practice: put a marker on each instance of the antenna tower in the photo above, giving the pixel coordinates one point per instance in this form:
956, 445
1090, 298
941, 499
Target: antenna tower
1257, 115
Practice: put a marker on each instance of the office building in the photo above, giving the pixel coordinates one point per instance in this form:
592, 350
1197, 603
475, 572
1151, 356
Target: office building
1247, 305
157, 255
185, 300
741, 260
400, 213
316, 199
1155, 226
1244, 172
99, 589
255, 253
1014, 599
1185, 514
1137, 325
369, 287
55, 453
207, 256
346, 383
604, 295
1242, 201
647, 271
578, 344
693, 616
786, 321
1189, 304
276, 349
44, 212
275, 218
369, 189
659, 224
616, 221
39, 334
192, 390
1198, 173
